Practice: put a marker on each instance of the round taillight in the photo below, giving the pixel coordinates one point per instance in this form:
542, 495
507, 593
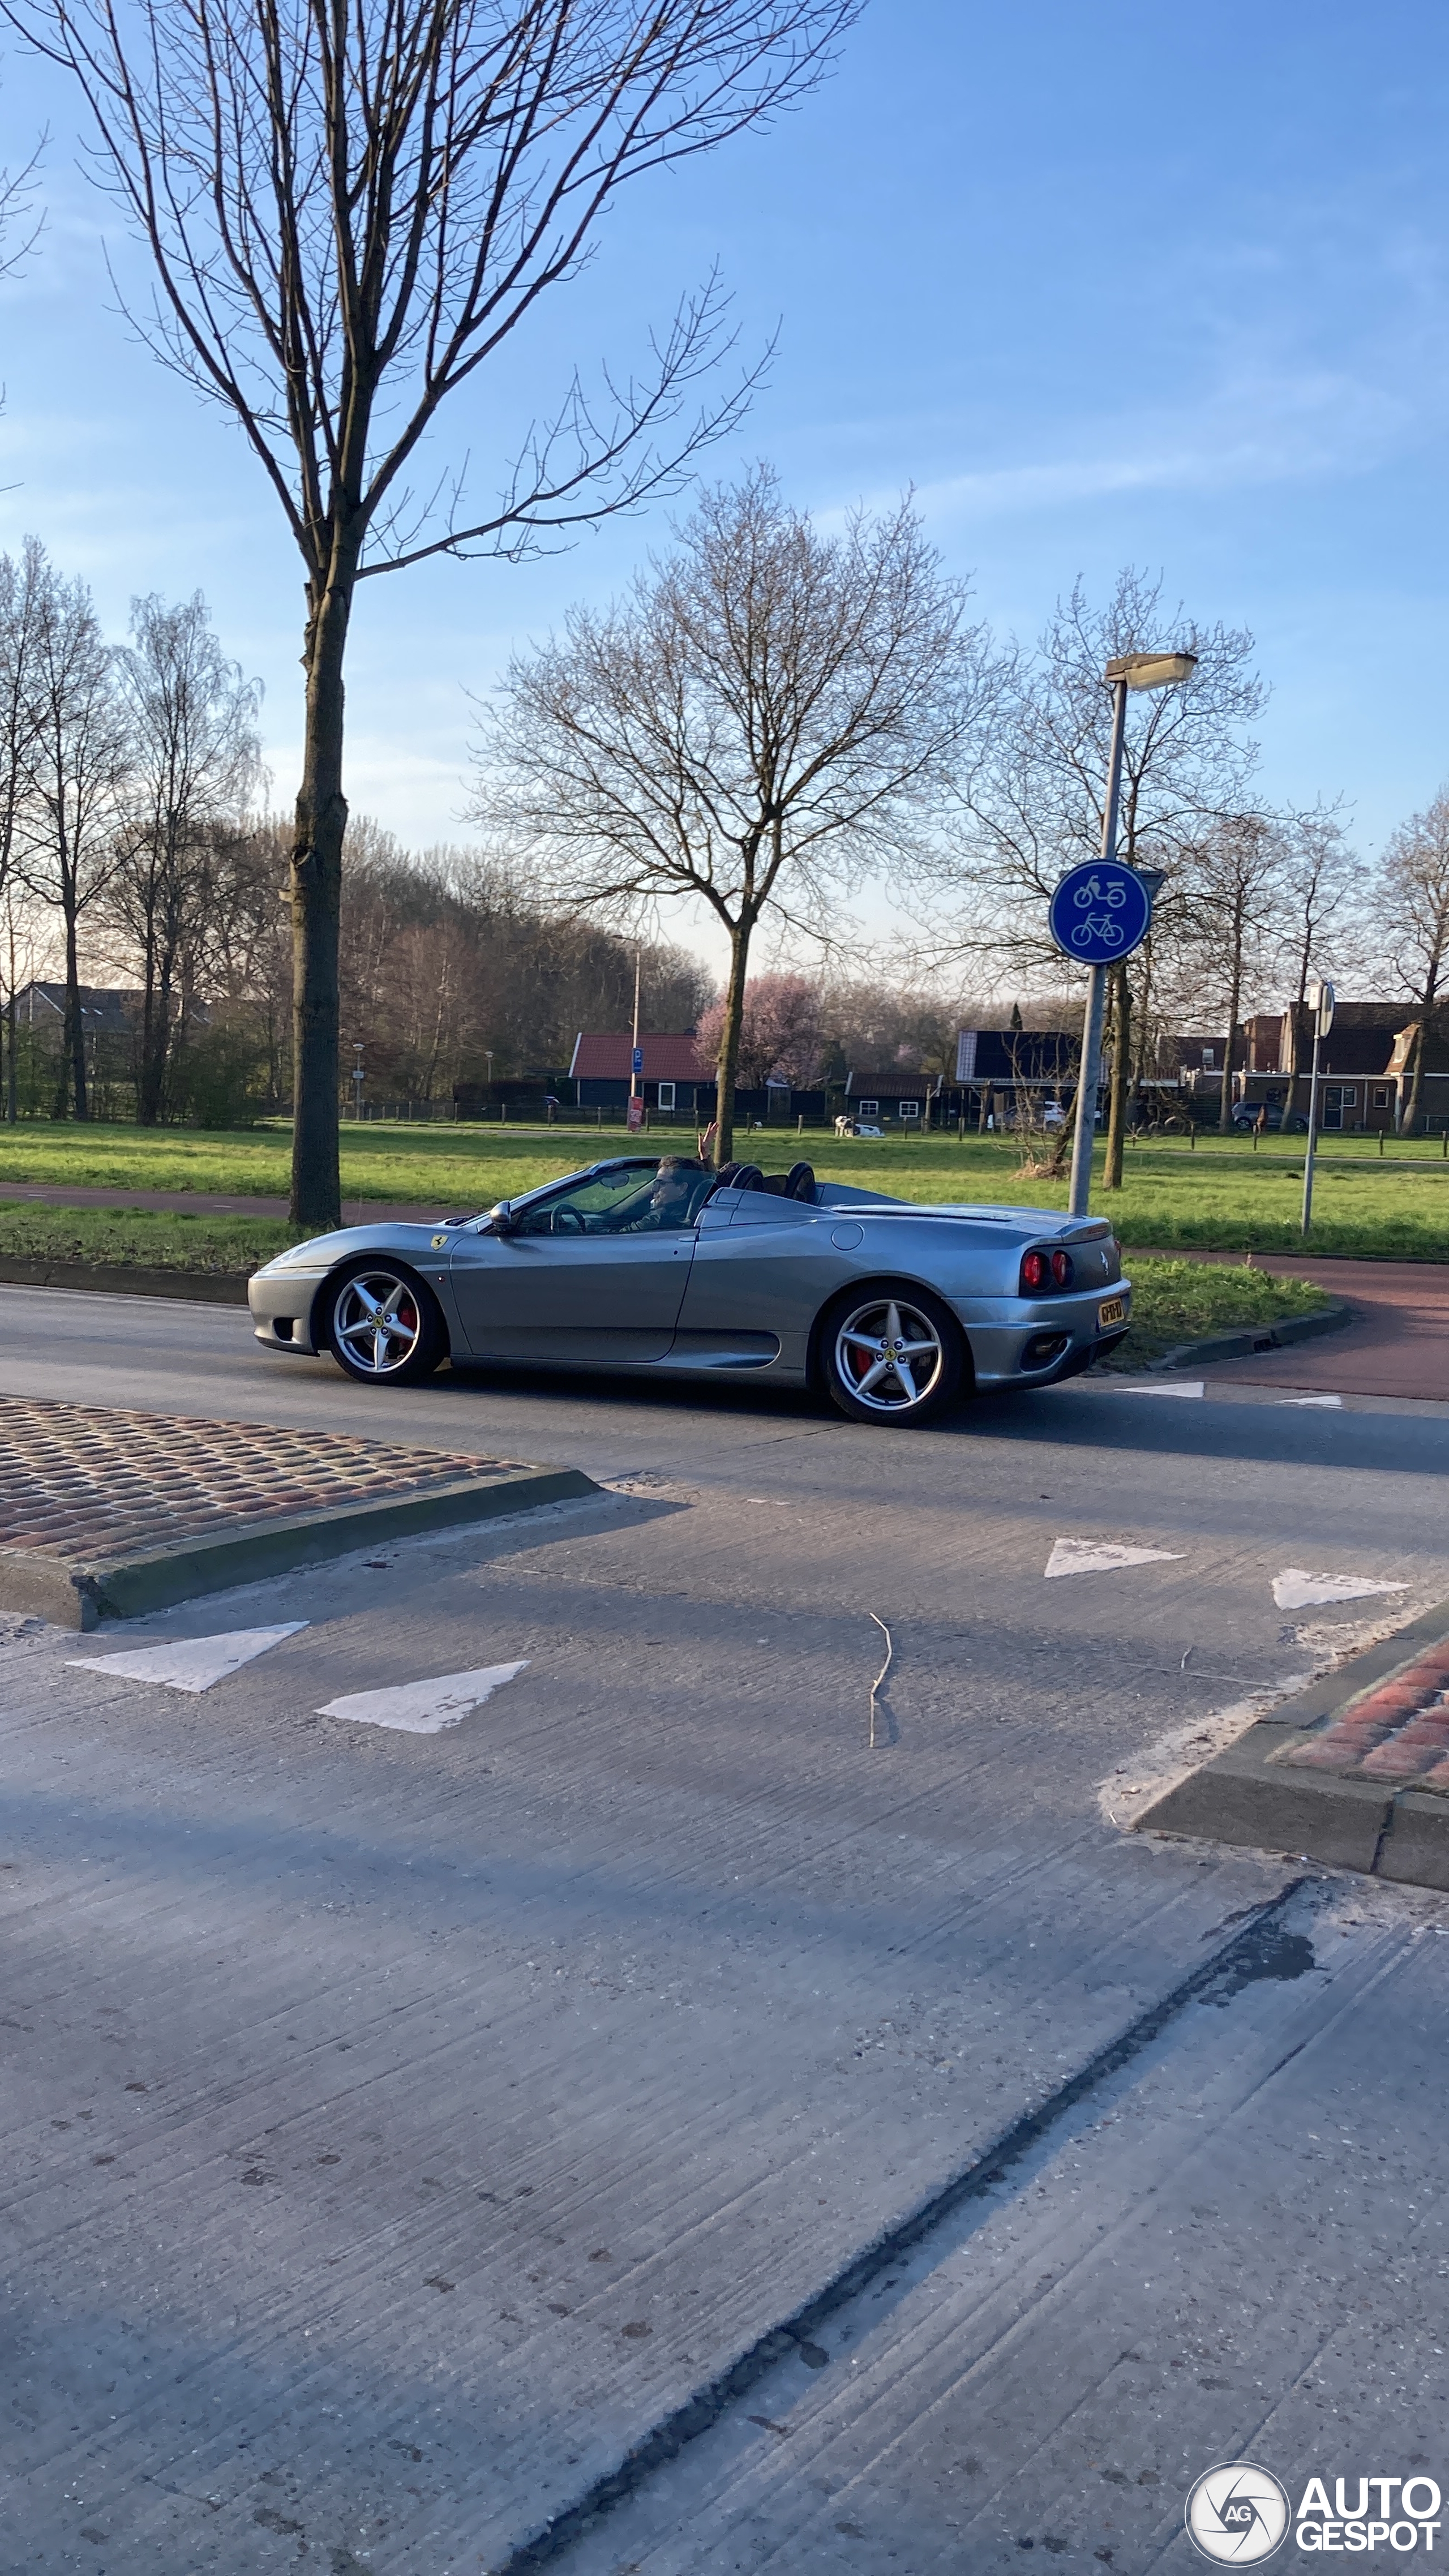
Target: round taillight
1035, 1271
1061, 1270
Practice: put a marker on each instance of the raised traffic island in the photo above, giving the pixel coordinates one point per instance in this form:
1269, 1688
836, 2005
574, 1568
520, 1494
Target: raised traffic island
1354, 1771
108, 1514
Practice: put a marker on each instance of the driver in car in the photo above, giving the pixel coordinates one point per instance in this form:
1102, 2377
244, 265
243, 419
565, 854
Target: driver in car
674, 1194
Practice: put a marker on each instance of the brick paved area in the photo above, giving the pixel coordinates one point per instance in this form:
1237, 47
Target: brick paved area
89, 1484
1396, 1730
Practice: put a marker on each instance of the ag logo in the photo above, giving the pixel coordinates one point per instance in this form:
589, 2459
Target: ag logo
1237, 2515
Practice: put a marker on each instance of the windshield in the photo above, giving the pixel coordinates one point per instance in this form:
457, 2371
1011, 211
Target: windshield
623, 1198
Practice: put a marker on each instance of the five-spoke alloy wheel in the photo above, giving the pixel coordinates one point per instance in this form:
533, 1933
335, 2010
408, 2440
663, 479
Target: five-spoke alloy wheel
892, 1355
383, 1326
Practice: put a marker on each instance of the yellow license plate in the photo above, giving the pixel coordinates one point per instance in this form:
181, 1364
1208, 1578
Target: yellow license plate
1112, 1311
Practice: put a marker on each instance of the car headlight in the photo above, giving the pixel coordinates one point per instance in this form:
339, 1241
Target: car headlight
295, 1255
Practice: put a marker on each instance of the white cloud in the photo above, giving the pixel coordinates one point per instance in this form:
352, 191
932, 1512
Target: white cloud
1259, 429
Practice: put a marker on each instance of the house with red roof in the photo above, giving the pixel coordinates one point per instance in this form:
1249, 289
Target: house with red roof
602, 1065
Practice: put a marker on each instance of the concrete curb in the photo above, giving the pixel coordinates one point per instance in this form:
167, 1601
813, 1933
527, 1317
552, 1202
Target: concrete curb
197, 1287
1246, 1795
72, 1595
1254, 1338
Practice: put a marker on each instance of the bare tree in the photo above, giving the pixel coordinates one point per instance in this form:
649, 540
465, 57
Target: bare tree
768, 712
1319, 883
1232, 897
349, 212
194, 760
24, 588
1033, 806
75, 772
1413, 903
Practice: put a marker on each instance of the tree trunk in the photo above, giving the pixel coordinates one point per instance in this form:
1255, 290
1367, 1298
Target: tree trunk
71, 1088
1117, 1098
1235, 995
1416, 1079
729, 1044
316, 891
159, 1054
148, 1095
1141, 1020
1291, 1029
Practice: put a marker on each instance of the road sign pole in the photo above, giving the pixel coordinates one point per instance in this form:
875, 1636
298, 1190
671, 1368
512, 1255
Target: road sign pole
1080, 1198
1312, 1135
1323, 1006
1079, 1201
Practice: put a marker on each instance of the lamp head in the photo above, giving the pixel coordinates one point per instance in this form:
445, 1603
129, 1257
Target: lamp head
1151, 670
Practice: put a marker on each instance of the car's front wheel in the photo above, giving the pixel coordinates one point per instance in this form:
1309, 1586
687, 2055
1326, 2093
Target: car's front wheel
892, 1355
383, 1326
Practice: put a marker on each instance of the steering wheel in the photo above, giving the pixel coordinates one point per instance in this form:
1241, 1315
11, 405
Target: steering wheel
566, 1220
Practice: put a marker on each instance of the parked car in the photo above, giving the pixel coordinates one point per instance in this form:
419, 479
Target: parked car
1248, 1113
856, 1127
670, 1269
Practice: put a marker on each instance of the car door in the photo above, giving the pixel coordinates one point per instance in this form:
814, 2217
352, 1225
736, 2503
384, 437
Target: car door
764, 1267
590, 1277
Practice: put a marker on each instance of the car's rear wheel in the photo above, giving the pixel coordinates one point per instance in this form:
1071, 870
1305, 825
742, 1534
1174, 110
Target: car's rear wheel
892, 1355
382, 1325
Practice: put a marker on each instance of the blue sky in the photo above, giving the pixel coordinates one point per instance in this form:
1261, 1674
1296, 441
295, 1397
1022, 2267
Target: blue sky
1144, 285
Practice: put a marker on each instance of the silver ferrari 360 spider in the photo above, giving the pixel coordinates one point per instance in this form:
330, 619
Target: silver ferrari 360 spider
672, 1269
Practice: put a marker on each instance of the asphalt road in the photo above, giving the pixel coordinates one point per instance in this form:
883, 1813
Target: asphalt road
402, 2132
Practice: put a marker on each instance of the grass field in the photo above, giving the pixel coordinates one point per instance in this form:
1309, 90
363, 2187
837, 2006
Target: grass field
1219, 1196
145, 1238
1179, 1301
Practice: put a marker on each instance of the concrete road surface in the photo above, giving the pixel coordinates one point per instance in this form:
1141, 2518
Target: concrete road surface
427, 2149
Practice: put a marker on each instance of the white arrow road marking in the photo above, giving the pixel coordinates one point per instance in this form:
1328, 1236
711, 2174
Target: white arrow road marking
1194, 1386
424, 1708
1099, 1556
192, 1663
1331, 1403
1295, 1590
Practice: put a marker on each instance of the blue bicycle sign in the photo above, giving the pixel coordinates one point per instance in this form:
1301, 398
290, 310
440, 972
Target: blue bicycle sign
1100, 913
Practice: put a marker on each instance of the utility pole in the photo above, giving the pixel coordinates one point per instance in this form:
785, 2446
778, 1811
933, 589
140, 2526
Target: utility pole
636, 1057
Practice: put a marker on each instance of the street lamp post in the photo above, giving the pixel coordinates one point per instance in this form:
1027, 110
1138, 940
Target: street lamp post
1125, 671
358, 1078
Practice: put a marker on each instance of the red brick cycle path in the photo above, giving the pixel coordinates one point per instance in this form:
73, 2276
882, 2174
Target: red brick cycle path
1397, 1344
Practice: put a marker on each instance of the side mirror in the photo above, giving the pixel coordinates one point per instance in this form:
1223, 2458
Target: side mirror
501, 1217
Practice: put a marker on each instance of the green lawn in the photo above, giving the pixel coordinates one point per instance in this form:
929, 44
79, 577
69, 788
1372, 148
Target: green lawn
1179, 1301
147, 1238
1220, 1196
